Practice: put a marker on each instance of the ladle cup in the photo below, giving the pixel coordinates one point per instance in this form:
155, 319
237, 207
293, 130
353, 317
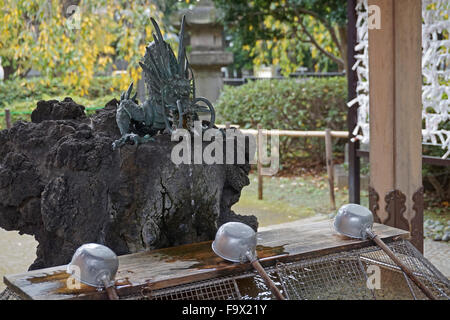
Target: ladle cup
95, 265
236, 242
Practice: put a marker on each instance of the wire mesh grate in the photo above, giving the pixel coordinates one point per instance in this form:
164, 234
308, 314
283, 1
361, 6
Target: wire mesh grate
7, 294
346, 275
218, 289
416, 262
325, 278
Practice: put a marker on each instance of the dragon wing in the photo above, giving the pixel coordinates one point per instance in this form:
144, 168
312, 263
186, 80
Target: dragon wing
160, 65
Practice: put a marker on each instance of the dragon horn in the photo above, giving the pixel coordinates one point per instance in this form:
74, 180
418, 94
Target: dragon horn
145, 68
130, 88
158, 31
134, 97
181, 51
155, 38
159, 41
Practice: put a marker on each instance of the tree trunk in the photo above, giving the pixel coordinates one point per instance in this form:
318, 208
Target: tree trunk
342, 30
437, 186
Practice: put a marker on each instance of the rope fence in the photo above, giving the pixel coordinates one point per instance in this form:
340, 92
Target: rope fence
327, 134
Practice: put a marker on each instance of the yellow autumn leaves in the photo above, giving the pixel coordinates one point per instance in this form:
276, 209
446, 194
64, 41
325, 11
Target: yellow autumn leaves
36, 34
287, 51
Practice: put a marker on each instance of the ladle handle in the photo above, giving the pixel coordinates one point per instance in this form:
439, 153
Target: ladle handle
267, 280
405, 269
110, 291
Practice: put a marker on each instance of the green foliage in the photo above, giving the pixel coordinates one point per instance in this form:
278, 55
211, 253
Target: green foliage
288, 33
13, 92
436, 179
40, 34
291, 104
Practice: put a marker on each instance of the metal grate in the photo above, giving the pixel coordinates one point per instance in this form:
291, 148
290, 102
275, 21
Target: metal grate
345, 275
324, 278
415, 261
218, 289
7, 294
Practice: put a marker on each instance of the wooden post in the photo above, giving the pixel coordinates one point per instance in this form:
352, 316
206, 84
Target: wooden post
395, 78
8, 118
259, 141
354, 164
329, 160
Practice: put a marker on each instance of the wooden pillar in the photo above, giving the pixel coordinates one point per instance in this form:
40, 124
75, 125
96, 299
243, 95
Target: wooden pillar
259, 141
330, 167
395, 77
352, 114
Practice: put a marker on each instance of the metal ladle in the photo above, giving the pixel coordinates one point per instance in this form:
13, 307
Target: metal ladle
356, 221
95, 265
236, 242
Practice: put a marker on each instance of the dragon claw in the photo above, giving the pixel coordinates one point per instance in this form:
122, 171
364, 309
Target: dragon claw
131, 137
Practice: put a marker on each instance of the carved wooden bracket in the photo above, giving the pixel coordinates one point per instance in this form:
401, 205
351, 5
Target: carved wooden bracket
373, 203
418, 204
417, 220
395, 207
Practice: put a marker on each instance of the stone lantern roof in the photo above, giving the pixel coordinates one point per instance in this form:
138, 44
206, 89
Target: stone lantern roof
207, 54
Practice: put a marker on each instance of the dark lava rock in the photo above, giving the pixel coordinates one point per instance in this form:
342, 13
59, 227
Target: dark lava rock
61, 181
56, 110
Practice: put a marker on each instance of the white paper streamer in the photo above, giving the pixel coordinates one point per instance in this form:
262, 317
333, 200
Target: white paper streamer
435, 71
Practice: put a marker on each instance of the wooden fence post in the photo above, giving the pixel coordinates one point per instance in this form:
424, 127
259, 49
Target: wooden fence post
8, 118
259, 147
329, 160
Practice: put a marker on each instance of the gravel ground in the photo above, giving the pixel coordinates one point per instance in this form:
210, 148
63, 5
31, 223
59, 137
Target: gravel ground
438, 253
17, 253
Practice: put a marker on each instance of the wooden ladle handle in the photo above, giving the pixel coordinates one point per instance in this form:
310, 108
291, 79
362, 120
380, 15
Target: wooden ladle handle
405, 269
267, 280
112, 294
110, 291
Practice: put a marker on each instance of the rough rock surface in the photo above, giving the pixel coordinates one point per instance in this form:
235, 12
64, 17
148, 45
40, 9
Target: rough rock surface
61, 181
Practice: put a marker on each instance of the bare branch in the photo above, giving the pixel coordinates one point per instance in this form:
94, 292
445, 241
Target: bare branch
328, 26
339, 61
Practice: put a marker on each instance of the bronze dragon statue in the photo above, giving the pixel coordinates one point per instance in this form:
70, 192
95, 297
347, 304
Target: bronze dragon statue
171, 102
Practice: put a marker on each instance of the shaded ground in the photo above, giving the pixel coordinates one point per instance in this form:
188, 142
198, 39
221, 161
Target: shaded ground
439, 255
17, 253
287, 199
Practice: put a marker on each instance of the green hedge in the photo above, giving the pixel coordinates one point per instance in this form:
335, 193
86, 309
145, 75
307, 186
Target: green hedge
291, 104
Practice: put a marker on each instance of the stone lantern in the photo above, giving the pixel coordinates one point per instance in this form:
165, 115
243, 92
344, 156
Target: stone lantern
207, 55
